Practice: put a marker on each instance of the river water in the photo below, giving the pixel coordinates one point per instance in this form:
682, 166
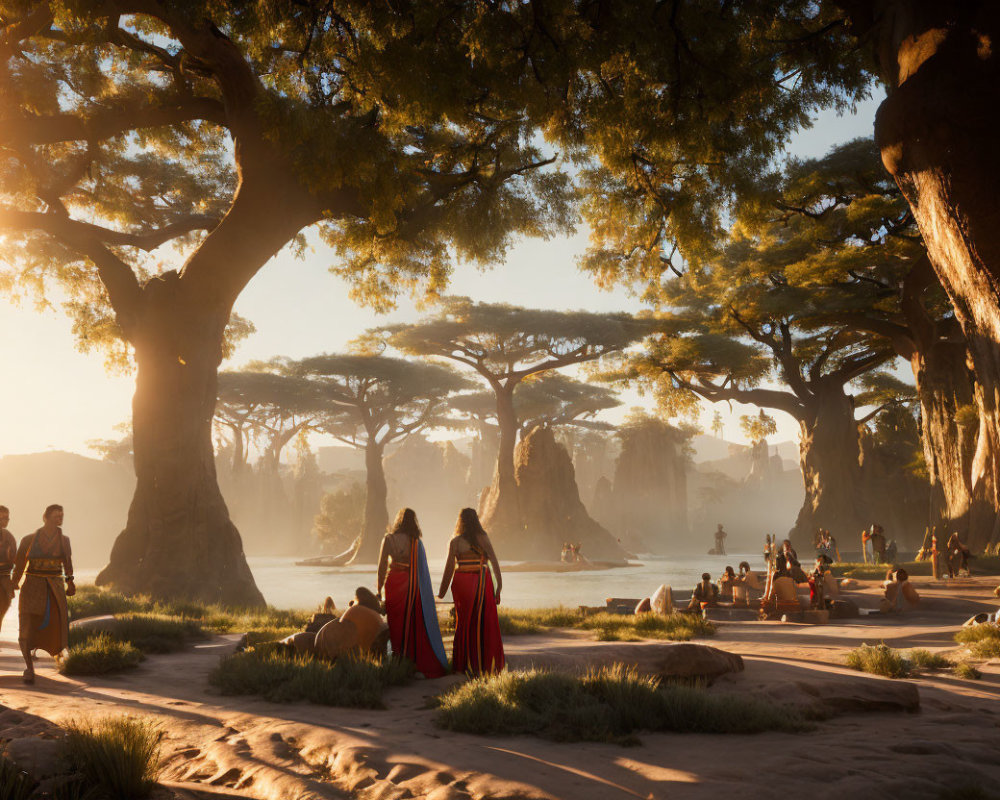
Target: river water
287, 586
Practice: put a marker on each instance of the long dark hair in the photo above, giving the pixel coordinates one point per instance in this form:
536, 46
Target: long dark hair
469, 527
406, 522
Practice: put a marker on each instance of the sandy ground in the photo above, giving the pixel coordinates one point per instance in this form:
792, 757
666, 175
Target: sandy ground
239, 747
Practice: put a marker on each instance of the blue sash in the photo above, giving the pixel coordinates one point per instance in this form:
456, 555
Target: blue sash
428, 608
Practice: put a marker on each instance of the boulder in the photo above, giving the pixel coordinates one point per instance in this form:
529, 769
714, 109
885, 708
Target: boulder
665, 660
40, 758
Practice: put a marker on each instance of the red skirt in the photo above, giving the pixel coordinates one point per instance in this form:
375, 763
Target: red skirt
406, 624
478, 645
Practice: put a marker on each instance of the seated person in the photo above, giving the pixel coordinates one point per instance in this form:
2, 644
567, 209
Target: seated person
782, 592
748, 587
705, 594
823, 589
897, 590
726, 584
361, 628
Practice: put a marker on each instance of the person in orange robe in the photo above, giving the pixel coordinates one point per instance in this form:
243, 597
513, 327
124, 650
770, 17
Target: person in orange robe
478, 645
409, 597
43, 558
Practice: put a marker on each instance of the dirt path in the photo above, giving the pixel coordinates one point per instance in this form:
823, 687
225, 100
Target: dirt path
250, 748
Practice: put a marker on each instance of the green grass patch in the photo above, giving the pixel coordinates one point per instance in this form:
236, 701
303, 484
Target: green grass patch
121, 755
925, 659
100, 655
966, 671
260, 624
878, 659
608, 627
983, 640
606, 705
980, 565
15, 784
150, 633
349, 682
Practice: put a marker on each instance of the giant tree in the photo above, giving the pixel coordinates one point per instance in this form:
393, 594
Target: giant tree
138, 136
373, 401
505, 345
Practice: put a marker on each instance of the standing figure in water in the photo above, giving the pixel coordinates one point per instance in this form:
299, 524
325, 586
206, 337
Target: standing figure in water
409, 597
8, 551
44, 558
478, 645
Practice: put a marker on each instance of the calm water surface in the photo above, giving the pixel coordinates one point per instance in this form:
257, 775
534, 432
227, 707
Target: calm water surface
287, 586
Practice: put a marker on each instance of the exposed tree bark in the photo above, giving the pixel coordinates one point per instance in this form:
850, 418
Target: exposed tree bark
499, 509
829, 456
937, 132
178, 541
376, 519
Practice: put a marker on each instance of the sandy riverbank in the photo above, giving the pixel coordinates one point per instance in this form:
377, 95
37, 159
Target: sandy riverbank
242, 747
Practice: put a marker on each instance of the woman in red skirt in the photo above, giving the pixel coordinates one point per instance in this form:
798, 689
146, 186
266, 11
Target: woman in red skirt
409, 597
478, 646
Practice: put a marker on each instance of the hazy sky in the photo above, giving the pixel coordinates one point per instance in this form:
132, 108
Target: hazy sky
53, 397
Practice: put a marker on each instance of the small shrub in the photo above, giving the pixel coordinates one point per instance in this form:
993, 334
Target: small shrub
100, 655
605, 705
15, 784
608, 627
121, 755
349, 682
925, 659
966, 671
879, 659
150, 633
74, 788
983, 640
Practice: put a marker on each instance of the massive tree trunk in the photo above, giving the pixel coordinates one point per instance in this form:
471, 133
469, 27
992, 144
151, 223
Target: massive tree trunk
178, 541
829, 455
944, 386
500, 510
376, 519
937, 132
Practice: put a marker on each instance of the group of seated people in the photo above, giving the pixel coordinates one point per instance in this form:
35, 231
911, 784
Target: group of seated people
778, 594
732, 589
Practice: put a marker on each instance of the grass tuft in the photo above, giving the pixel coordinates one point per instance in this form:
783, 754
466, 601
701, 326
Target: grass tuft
879, 659
260, 624
121, 755
608, 627
150, 633
966, 671
15, 783
100, 655
349, 682
983, 640
925, 659
606, 705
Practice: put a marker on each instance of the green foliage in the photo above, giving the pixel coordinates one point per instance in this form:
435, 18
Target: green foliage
608, 627
149, 633
275, 675
879, 659
758, 427
982, 640
340, 516
121, 755
91, 600
966, 671
15, 784
605, 705
925, 659
100, 655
